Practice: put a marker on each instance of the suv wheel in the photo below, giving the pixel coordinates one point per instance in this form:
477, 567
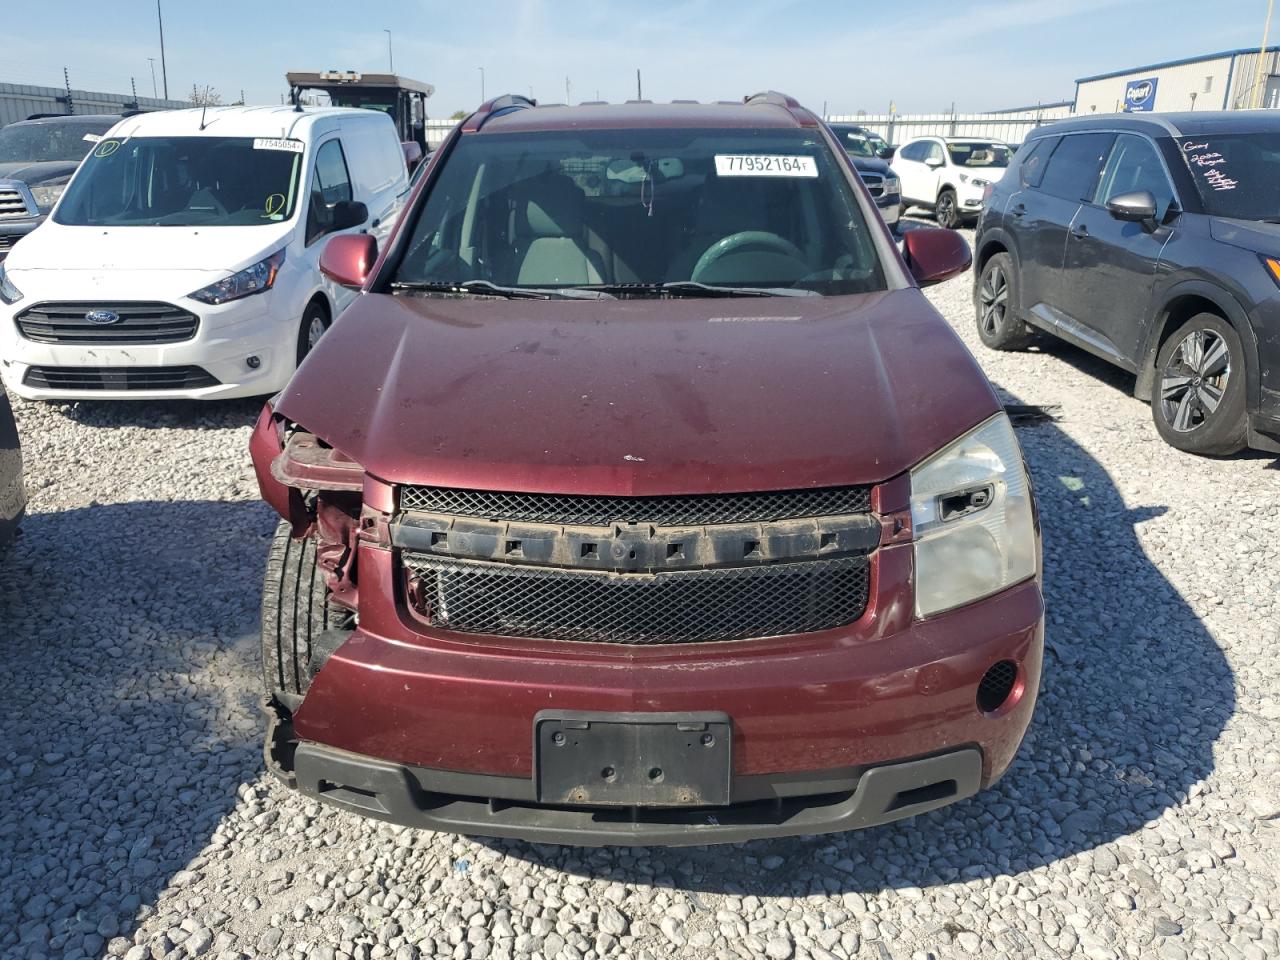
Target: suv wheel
295, 609
315, 321
1199, 397
947, 210
993, 300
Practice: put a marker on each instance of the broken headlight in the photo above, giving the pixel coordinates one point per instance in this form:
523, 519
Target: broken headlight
255, 279
972, 519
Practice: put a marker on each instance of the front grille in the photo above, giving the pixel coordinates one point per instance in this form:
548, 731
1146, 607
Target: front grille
676, 511
13, 206
137, 323
690, 606
874, 182
118, 378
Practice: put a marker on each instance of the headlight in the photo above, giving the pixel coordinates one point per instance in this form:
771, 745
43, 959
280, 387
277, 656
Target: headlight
250, 280
892, 185
972, 519
979, 182
8, 292
47, 195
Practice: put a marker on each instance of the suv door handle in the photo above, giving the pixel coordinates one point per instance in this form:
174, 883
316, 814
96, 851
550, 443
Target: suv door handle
1080, 231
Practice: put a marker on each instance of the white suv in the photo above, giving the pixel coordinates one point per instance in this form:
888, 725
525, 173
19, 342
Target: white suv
949, 175
182, 260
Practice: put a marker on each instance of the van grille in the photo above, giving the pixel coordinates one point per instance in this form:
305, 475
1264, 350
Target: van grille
677, 511
118, 378
688, 606
137, 323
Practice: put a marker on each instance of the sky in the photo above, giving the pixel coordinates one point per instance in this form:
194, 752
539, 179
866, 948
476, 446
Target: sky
923, 56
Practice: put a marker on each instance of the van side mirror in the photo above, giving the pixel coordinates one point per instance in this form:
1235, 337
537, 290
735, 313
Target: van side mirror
935, 255
412, 154
1136, 207
347, 214
348, 260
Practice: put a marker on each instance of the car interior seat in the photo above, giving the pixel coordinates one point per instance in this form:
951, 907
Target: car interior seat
550, 232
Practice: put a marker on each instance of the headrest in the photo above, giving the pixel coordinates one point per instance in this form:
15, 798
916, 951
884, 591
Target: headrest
550, 206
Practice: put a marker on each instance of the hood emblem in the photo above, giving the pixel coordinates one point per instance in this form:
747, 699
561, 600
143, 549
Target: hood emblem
102, 317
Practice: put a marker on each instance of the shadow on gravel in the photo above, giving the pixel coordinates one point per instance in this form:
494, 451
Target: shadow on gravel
160, 414
127, 724
1134, 694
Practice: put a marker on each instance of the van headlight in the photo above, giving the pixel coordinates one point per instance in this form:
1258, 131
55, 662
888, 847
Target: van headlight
255, 279
972, 519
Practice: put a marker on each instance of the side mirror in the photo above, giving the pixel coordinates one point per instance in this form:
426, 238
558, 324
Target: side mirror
935, 255
412, 154
1136, 207
347, 214
886, 153
934, 162
348, 260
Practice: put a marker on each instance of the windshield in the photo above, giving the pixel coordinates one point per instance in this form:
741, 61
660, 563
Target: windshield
184, 182
611, 208
44, 142
1235, 173
858, 143
974, 153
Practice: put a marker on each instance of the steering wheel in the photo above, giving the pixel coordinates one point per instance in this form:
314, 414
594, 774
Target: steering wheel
735, 242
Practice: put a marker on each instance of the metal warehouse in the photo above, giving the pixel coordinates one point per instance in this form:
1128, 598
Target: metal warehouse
1231, 80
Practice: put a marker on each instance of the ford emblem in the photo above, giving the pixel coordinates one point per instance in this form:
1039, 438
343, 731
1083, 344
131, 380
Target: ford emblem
102, 317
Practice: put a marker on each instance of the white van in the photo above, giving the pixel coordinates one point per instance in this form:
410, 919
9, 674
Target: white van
182, 260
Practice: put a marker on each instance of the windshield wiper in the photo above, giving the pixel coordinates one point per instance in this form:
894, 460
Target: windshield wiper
695, 288
485, 288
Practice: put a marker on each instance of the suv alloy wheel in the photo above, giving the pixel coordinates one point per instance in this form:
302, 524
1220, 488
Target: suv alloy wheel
994, 298
1199, 399
947, 211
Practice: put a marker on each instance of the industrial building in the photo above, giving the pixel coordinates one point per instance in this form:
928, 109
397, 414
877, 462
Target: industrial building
1230, 80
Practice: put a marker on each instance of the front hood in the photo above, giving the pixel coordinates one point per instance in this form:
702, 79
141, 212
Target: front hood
636, 397
870, 165
35, 173
55, 246
1263, 238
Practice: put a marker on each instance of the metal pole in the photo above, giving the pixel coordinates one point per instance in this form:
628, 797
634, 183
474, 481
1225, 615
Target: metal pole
391, 61
66, 79
1259, 84
481, 69
566, 90
164, 72
154, 91
639, 95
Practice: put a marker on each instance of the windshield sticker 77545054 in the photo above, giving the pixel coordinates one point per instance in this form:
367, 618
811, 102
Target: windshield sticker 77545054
278, 143
764, 165
1209, 165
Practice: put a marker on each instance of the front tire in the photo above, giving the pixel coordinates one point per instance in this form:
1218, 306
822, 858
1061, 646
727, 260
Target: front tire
947, 210
995, 299
295, 610
315, 321
1198, 403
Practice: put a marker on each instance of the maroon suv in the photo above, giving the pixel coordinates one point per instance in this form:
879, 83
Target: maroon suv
641, 497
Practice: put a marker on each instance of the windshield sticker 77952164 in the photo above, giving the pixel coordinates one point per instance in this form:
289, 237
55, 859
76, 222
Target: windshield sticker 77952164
764, 165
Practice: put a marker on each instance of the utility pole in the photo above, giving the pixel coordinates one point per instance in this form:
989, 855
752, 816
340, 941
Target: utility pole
566, 91
391, 61
164, 72
66, 80
481, 69
1259, 83
639, 95
154, 92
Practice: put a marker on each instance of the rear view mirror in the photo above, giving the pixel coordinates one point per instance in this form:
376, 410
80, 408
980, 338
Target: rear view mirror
347, 214
935, 255
348, 260
1136, 207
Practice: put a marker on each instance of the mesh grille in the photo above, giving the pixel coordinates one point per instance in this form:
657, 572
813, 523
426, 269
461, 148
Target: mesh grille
694, 606
996, 685
678, 511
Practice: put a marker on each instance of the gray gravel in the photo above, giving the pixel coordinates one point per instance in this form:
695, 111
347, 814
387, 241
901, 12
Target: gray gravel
1142, 818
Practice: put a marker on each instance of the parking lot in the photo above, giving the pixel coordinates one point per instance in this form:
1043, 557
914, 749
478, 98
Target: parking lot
1141, 819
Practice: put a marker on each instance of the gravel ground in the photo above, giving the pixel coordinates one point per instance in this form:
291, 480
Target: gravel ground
1142, 818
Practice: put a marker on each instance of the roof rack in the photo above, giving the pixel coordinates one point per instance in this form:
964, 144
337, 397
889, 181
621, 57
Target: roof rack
773, 98
495, 107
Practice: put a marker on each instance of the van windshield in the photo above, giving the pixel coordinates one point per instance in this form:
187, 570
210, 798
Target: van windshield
631, 210
184, 182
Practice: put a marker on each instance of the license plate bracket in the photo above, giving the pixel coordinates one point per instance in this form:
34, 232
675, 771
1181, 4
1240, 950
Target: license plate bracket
633, 759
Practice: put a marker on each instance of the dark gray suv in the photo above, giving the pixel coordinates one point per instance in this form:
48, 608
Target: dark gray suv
1152, 242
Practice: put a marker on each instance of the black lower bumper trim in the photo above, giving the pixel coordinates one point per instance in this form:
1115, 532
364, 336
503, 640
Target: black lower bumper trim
411, 796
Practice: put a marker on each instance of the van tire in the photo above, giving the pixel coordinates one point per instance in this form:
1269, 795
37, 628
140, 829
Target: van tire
295, 609
1224, 430
995, 299
315, 322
